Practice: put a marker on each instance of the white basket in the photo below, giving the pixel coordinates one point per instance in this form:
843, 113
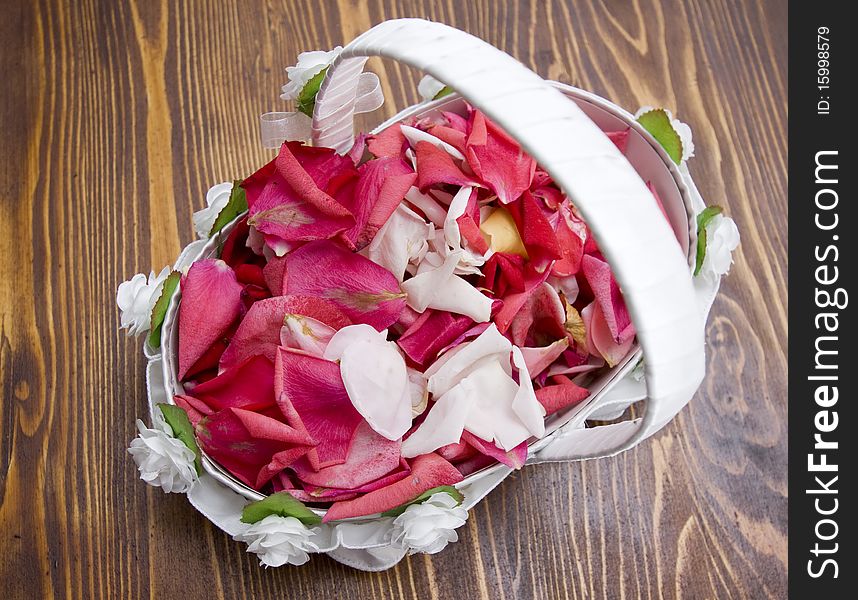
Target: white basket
667, 306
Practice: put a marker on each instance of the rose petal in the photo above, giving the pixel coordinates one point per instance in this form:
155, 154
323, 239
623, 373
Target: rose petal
620, 139
314, 388
248, 385
498, 160
259, 331
600, 339
435, 166
450, 369
537, 234
609, 298
375, 377
211, 301
292, 197
414, 136
427, 472
439, 328
525, 405
305, 333
539, 359
443, 424
381, 186
252, 446
371, 457
401, 240
428, 205
390, 142
515, 458
363, 290
555, 398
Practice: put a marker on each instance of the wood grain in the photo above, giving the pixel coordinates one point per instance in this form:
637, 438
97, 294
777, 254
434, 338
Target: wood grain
118, 115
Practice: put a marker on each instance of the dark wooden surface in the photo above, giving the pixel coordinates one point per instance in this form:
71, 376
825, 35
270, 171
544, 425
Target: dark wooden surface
118, 115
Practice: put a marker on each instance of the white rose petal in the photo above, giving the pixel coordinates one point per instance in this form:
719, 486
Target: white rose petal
216, 199
163, 461
722, 237
475, 391
428, 527
136, 298
400, 241
309, 65
279, 541
375, 377
429, 87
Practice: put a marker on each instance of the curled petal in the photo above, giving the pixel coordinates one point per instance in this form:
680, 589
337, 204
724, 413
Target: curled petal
498, 160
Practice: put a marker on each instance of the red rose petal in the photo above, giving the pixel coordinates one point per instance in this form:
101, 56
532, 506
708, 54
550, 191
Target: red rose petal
620, 139
610, 299
498, 160
555, 398
435, 166
388, 143
249, 385
252, 446
421, 344
515, 458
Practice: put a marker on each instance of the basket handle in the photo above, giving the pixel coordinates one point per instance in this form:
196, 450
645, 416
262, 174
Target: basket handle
631, 232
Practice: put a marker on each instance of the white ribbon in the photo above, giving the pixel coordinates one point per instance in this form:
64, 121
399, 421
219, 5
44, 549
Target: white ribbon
277, 127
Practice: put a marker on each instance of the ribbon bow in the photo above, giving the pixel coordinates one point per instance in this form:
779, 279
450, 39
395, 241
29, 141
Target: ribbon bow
277, 127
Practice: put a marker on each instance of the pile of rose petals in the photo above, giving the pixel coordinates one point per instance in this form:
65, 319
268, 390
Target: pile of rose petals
392, 320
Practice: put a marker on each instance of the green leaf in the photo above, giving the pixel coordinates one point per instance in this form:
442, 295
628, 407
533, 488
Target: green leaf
444, 91
282, 504
658, 124
160, 308
236, 205
703, 219
183, 431
307, 95
456, 494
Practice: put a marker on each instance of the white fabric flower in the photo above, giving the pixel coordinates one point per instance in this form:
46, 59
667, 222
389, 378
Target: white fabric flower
216, 199
429, 87
163, 461
136, 298
681, 128
309, 65
278, 541
722, 237
430, 526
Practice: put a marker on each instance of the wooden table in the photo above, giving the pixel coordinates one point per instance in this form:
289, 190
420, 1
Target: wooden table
118, 116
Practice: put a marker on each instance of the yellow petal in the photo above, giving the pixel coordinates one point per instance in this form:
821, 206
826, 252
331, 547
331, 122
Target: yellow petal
503, 235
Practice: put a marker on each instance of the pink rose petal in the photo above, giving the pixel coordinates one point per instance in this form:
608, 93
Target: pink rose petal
620, 139
427, 472
600, 338
381, 186
564, 395
388, 143
259, 331
438, 329
515, 458
539, 359
370, 458
435, 166
364, 291
609, 298
314, 389
211, 301
248, 385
